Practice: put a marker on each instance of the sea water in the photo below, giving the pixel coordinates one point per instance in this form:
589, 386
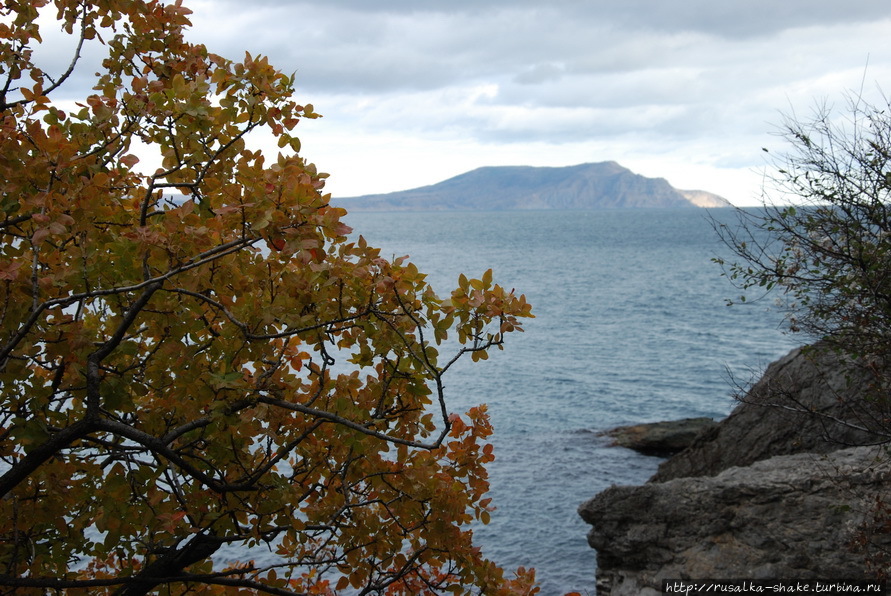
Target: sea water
631, 326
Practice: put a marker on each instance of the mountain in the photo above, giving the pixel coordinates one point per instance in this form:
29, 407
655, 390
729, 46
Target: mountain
701, 198
605, 185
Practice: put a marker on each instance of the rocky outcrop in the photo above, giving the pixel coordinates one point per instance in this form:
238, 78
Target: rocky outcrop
792, 516
809, 401
660, 438
784, 487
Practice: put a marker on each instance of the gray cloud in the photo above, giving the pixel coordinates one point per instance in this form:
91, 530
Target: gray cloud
754, 18
569, 53
692, 78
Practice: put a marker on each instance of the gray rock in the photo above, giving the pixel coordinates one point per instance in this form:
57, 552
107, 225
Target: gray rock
809, 401
660, 438
784, 487
791, 516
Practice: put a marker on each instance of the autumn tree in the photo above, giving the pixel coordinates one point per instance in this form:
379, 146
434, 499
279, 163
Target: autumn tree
196, 354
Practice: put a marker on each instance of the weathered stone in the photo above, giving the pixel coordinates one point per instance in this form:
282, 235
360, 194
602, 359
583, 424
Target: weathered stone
791, 516
660, 438
778, 489
809, 401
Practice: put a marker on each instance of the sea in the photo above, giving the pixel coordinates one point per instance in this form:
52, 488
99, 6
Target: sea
631, 325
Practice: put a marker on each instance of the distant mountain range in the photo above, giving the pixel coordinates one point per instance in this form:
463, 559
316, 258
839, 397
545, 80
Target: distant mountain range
605, 185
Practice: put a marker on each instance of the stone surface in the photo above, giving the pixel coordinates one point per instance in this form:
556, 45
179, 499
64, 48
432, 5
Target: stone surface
791, 516
781, 488
809, 401
660, 438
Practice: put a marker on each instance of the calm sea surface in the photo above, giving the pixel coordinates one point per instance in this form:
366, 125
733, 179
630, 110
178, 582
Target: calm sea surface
631, 326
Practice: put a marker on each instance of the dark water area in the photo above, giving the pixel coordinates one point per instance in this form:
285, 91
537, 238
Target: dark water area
631, 326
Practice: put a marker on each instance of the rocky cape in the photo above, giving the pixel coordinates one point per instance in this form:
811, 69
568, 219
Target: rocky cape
659, 438
605, 185
790, 485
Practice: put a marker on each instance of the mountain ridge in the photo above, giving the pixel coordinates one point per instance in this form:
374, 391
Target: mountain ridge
602, 185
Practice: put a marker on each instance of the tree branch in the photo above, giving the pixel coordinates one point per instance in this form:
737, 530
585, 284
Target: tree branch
43, 453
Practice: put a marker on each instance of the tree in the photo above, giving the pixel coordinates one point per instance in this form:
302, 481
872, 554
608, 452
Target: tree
825, 243
195, 353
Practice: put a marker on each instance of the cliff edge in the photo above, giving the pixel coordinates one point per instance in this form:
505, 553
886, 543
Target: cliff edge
790, 485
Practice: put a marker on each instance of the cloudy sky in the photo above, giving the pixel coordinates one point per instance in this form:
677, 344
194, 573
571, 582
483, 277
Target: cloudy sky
416, 91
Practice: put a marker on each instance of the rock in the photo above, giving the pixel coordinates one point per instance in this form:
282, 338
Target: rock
809, 401
660, 438
791, 516
778, 489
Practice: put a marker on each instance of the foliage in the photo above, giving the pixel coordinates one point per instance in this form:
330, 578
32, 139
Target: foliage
826, 247
827, 244
224, 368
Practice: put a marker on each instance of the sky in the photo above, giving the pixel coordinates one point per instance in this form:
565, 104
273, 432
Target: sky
416, 91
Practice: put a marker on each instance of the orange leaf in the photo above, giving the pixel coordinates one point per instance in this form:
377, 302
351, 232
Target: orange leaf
129, 160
